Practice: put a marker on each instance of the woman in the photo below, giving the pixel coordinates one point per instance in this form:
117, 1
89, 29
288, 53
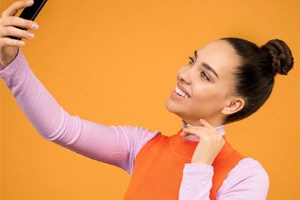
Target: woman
225, 81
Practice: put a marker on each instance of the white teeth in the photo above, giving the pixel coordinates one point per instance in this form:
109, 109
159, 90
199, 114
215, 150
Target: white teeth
180, 92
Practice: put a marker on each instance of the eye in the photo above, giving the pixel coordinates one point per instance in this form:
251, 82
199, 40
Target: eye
192, 61
205, 76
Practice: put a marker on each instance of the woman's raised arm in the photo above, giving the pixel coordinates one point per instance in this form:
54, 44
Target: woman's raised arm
110, 144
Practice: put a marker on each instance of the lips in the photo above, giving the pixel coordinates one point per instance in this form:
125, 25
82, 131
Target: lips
181, 92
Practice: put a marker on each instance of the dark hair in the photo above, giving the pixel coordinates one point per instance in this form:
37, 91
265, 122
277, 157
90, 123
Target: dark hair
255, 75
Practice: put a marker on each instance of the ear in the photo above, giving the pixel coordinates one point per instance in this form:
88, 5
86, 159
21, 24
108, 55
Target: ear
234, 105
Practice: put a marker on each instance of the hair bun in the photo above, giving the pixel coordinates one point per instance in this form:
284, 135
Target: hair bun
282, 59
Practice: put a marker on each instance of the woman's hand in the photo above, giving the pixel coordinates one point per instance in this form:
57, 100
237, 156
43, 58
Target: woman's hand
210, 142
8, 23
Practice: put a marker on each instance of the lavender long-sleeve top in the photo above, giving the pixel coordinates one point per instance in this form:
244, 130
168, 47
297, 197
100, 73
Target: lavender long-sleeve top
119, 145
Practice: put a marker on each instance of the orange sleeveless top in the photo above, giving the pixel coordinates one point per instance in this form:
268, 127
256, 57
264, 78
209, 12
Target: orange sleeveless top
158, 168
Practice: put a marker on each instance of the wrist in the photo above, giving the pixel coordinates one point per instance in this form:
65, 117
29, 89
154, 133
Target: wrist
7, 60
201, 162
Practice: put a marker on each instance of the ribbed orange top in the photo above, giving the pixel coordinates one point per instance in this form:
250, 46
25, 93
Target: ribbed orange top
158, 168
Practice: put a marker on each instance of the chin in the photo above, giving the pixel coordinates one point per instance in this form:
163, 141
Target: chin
170, 106
174, 109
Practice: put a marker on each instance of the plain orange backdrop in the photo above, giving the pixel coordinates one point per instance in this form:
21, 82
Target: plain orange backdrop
115, 62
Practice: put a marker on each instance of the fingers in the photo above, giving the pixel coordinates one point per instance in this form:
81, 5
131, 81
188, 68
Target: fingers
205, 133
16, 32
11, 27
210, 142
16, 27
15, 7
11, 42
206, 124
202, 133
19, 22
8, 27
194, 130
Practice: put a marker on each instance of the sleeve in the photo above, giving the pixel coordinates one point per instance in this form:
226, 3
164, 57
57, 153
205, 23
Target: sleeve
117, 145
246, 181
196, 182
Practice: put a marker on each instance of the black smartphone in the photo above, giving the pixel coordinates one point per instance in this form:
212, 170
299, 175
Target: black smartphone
31, 12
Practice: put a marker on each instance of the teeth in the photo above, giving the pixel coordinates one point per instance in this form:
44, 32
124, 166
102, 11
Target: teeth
180, 92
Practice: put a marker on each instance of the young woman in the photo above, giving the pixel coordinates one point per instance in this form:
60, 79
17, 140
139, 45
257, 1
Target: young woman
225, 81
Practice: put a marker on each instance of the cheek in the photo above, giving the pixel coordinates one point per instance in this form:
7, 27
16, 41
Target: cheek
214, 96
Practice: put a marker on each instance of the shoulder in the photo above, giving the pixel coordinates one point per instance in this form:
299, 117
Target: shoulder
136, 134
135, 137
248, 178
250, 167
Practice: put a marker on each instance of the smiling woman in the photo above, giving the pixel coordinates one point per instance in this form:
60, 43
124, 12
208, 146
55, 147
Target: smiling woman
226, 80
208, 82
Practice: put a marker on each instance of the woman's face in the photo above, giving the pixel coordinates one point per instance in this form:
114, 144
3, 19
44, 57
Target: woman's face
205, 86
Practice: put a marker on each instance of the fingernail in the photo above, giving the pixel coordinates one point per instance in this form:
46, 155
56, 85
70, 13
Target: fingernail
30, 35
29, 1
183, 134
35, 26
21, 43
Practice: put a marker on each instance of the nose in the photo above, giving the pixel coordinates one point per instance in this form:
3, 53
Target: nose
183, 75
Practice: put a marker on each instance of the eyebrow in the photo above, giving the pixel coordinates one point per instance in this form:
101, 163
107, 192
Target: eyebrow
206, 65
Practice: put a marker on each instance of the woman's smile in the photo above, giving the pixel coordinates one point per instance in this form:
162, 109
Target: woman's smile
181, 91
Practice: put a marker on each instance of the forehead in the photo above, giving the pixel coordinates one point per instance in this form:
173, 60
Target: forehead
220, 55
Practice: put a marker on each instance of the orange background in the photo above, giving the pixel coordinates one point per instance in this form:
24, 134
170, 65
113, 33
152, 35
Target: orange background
115, 62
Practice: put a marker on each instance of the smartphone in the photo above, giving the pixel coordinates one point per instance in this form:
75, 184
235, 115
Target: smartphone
31, 12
